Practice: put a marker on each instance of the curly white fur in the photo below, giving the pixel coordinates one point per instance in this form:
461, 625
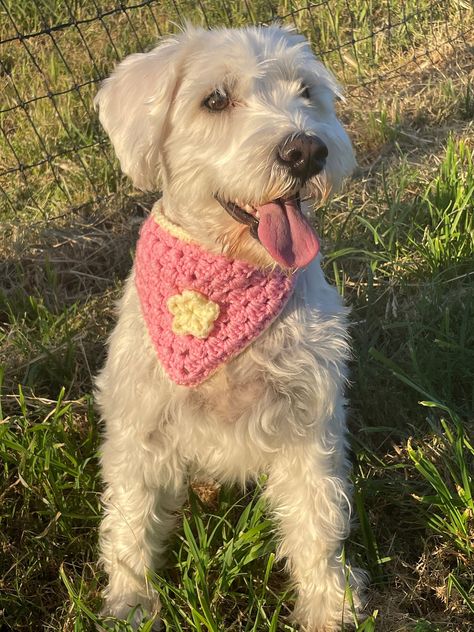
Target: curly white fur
279, 406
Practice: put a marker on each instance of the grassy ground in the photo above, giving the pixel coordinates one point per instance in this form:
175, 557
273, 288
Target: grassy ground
400, 247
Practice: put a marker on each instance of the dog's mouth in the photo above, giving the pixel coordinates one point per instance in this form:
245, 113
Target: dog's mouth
281, 228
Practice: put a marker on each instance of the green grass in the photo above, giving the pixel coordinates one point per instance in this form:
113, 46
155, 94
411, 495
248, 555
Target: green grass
399, 246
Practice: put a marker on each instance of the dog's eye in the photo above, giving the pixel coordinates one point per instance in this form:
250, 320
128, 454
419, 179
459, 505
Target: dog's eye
217, 101
305, 93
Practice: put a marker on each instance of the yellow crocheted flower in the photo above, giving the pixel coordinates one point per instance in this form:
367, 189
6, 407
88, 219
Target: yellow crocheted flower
193, 314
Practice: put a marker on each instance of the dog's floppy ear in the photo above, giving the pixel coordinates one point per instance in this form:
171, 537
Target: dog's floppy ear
133, 104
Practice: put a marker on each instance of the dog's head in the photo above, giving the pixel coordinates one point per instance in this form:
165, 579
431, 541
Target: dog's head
236, 126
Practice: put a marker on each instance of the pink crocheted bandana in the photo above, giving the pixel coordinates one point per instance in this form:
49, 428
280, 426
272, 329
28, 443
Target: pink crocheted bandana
201, 309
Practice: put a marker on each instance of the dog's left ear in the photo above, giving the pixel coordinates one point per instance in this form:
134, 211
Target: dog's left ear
133, 105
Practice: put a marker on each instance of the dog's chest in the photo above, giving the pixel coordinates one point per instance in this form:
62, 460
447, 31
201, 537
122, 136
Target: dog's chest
295, 362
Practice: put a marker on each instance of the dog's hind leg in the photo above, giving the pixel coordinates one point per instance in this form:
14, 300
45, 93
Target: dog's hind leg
308, 492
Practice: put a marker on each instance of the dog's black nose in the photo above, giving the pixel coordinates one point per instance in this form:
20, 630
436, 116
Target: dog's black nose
305, 156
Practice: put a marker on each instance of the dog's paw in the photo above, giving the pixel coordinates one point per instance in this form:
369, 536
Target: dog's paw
135, 617
330, 604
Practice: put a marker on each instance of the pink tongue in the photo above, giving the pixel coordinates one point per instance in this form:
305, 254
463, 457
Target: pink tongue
286, 234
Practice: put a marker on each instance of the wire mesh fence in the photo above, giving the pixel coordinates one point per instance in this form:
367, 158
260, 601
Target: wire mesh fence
54, 158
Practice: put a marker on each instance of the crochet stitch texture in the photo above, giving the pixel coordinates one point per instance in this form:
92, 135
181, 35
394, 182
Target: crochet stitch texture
226, 303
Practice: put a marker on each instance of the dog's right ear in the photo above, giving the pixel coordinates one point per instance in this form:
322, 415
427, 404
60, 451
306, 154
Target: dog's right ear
133, 104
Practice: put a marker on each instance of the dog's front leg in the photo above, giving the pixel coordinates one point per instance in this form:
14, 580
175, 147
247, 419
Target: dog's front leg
139, 515
308, 492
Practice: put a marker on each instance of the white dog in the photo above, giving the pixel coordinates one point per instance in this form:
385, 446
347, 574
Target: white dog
229, 356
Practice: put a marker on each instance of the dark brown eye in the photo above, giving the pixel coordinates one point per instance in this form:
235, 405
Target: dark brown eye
305, 93
217, 101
